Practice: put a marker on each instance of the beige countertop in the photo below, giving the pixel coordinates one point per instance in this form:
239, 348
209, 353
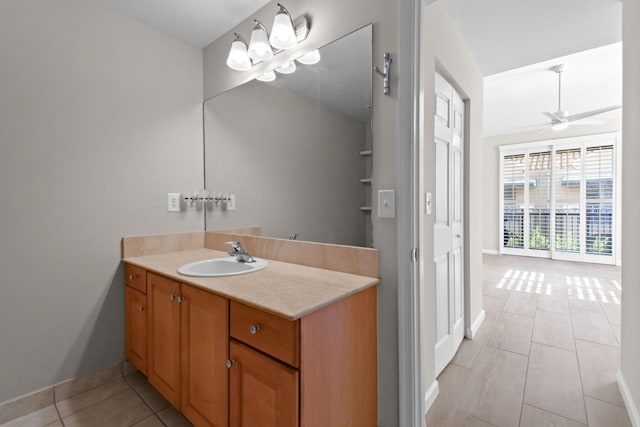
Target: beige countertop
287, 290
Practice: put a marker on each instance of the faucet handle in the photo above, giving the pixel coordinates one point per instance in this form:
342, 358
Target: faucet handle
235, 245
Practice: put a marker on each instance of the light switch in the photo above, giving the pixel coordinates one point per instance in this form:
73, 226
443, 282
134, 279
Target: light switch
173, 202
386, 204
427, 203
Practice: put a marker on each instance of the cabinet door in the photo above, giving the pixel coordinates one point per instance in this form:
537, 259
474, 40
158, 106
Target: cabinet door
164, 337
136, 328
262, 392
205, 377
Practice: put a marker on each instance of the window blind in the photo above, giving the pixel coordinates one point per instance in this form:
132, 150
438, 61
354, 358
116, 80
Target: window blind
598, 174
539, 203
513, 188
567, 183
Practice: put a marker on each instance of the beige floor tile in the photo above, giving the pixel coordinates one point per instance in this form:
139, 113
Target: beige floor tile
602, 414
553, 329
26, 404
553, 382
521, 303
581, 304
469, 350
617, 331
123, 410
152, 421
492, 306
534, 417
55, 424
462, 419
128, 368
152, 397
452, 382
172, 418
590, 326
512, 332
494, 392
599, 365
88, 381
39, 418
554, 303
135, 379
491, 288
613, 312
88, 398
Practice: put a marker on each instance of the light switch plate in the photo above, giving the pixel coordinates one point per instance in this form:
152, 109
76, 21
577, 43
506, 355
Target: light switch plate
386, 204
173, 202
231, 203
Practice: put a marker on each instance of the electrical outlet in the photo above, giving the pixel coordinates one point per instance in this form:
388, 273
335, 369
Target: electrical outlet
386, 204
231, 203
173, 202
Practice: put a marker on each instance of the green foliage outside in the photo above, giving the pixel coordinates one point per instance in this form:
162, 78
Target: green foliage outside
568, 242
537, 240
600, 245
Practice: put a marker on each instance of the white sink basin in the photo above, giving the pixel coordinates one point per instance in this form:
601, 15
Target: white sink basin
219, 267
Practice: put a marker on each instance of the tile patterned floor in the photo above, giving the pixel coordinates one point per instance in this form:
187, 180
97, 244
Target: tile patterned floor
547, 353
124, 402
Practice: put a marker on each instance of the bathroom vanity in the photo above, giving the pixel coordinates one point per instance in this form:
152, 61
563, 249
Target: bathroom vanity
285, 346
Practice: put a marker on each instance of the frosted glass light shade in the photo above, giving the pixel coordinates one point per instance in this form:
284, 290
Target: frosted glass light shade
560, 126
287, 68
283, 35
269, 76
310, 58
259, 47
238, 58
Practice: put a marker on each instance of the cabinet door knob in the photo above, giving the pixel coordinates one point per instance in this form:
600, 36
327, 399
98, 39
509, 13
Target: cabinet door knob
230, 363
132, 276
172, 297
141, 308
254, 329
179, 299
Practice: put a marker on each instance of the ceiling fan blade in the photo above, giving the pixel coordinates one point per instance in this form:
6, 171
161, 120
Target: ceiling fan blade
553, 117
580, 116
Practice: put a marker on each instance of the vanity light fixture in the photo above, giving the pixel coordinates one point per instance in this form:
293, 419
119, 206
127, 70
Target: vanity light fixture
259, 47
310, 58
269, 76
283, 35
287, 68
238, 58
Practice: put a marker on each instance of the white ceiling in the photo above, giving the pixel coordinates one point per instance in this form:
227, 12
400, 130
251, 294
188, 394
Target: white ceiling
197, 21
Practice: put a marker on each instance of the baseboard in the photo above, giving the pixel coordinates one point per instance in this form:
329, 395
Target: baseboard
490, 252
430, 396
473, 330
632, 409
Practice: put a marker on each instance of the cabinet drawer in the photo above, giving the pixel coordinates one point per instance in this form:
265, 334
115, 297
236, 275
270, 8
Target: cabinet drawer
135, 277
266, 332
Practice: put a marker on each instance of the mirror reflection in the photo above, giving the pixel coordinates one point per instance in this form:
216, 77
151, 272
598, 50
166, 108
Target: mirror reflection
295, 151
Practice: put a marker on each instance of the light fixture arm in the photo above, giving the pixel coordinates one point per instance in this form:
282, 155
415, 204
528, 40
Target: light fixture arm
261, 25
385, 73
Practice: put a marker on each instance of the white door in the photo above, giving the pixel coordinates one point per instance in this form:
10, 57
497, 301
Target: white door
448, 225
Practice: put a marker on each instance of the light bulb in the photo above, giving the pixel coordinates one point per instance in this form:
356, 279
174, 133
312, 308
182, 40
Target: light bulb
259, 47
283, 35
560, 126
238, 58
287, 68
269, 76
310, 58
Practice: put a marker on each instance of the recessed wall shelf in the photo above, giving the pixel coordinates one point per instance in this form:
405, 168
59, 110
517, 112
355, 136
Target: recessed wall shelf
366, 153
366, 180
365, 208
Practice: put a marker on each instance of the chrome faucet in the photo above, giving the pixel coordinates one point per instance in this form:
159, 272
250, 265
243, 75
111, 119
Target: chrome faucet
239, 252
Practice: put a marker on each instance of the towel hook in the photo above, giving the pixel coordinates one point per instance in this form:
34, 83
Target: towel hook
385, 73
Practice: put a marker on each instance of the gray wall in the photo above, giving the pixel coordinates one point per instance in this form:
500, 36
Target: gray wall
630, 349
293, 165
100, 117
444, 49
331, 19
491, 234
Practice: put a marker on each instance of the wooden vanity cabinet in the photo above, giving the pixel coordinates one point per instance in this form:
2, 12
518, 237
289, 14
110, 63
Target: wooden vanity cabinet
187, 342
136, 317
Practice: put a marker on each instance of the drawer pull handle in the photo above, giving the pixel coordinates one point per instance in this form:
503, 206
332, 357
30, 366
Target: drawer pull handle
230, 363
172, 297
254, 329
132, 276
141, 308
179, 299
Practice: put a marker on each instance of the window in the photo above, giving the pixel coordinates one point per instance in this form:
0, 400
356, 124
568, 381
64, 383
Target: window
558, 199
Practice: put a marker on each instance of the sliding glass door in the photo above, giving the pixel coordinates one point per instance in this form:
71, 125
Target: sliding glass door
558, 199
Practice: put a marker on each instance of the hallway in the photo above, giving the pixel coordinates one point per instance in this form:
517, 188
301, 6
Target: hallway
546, 354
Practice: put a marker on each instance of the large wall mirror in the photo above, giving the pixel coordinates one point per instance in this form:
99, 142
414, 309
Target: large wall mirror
295, 152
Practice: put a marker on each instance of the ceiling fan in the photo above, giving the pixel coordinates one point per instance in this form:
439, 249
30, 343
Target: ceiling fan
561, 118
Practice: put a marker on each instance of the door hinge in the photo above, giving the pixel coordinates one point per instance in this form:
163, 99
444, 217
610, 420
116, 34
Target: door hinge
414, 255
